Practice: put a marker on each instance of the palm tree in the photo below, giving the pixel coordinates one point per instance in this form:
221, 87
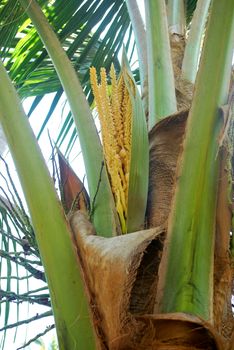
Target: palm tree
167, 283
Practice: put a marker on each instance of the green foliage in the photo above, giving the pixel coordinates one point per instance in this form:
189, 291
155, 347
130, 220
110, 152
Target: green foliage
48, 219
192, 222
79, 27
139, 166
20, 260
162, 99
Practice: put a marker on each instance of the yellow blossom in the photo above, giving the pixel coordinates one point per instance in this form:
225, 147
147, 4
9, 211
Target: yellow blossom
115, 114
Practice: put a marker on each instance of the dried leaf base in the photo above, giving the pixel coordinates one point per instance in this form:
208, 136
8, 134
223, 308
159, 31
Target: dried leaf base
121, 277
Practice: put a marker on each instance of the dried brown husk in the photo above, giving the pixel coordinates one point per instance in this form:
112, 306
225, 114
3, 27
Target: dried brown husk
73, 193
184, 89
223, 269
165, 141
113, 269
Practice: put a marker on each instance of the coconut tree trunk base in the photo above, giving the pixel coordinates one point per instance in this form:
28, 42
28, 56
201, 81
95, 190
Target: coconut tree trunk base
121, 277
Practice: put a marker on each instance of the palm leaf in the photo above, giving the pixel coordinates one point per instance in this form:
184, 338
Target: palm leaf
80, 26
190, 8
20, 261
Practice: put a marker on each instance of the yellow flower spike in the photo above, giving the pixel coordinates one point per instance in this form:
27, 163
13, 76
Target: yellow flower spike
121, 117
116, 108
112, 129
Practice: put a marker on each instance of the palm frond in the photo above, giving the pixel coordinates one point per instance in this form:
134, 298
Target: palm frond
20, 262
190, 8
91, 33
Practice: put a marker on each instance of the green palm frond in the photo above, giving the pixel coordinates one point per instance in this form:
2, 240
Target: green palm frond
91, 33
20, 262
190, 8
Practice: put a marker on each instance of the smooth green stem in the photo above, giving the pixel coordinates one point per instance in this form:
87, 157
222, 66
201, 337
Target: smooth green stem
53, 235
193, 46
140, 38
139, 164
162, 99
104, 216
187, 284
176, 16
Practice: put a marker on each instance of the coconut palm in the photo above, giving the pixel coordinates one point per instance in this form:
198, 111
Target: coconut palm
146, 263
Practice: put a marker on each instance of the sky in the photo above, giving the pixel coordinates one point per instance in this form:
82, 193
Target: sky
26, 311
